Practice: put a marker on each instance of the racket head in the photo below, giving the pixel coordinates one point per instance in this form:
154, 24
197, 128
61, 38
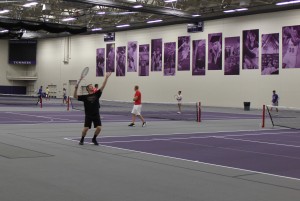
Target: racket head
84, 72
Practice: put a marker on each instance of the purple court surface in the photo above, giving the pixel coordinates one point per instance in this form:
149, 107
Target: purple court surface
274, 152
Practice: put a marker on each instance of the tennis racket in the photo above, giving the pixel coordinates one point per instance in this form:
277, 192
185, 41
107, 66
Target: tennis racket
83, 74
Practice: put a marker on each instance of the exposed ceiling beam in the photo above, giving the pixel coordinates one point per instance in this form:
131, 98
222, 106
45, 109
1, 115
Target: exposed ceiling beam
129, 6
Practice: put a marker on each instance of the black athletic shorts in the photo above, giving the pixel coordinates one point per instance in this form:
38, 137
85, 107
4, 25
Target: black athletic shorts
95, 119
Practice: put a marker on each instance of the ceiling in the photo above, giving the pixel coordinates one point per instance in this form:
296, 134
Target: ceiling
49, 18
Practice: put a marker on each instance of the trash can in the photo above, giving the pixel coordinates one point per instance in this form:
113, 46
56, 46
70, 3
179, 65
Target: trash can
246, 106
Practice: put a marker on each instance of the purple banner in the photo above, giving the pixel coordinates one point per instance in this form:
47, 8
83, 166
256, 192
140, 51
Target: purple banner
250, 49
215, 51
156, 55
270, 54
169, 58
132, 56
121, 61
198, 58
290, 46
110, 57
100, 60
144, 60
184, 53
232, 56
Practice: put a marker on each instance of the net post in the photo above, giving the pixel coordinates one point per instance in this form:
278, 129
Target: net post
41, 100
198, 105
68, 103
263, 116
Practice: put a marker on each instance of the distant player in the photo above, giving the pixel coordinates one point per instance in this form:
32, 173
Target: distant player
275, 99
179, 100
40, 95
47, 93
64, 95
137, 107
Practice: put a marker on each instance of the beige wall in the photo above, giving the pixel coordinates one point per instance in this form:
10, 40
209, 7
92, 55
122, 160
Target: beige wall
214, 89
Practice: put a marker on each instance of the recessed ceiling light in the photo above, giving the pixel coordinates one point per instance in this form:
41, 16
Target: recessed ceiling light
154, 21
287, 2
96, 29
68, 19
138, 6
123, 25
30, 4
4, 11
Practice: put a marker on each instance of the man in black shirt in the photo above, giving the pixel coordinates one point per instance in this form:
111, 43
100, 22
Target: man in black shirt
91, 109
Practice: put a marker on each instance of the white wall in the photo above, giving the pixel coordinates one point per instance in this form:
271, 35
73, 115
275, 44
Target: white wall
213, 89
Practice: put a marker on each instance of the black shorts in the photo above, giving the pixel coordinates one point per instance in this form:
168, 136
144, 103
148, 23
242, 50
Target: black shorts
95, 119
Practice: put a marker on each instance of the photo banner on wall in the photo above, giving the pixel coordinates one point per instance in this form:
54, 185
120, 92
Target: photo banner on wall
184, 53
270, 54
156, 54
169, 58
215, 51
290, 46
198, 58
144, 60
121, 61
100, 61
250, 49
132, 56
110, 57
232, 56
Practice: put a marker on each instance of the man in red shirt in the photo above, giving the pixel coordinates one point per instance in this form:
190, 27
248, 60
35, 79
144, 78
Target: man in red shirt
137, 107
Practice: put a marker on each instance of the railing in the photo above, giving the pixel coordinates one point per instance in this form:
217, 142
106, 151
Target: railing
22, 75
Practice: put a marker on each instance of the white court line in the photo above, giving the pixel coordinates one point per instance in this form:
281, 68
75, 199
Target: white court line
260, 142
45, 117
199, 162
180, 138
237, 131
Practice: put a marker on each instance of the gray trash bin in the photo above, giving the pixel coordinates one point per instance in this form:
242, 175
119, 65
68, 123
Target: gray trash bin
246, 106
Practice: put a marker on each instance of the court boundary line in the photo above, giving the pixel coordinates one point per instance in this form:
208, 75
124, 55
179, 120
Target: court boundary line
208, 132
182, 159
50, 119
260, 142
184, 138
212, 164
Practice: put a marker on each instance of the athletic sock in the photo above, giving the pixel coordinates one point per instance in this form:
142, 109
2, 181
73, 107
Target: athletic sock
82, 139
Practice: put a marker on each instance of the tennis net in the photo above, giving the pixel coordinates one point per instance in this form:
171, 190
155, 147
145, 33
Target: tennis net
288, 117
19, 100
168, 111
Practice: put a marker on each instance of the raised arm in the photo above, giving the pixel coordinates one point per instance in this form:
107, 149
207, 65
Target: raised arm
75, 92
105, 81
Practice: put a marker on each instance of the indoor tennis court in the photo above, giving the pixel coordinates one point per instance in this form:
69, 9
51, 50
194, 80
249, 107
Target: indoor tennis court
149, 100
230, 155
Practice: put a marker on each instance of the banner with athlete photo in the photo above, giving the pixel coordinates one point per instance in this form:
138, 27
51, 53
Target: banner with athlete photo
250, 49
184, 53
121, 61
144, 60
232, 56
156, 54
270, 54
110, 57
198, 58
132, 56
215, 51
290, 47
100, 61
169, 58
